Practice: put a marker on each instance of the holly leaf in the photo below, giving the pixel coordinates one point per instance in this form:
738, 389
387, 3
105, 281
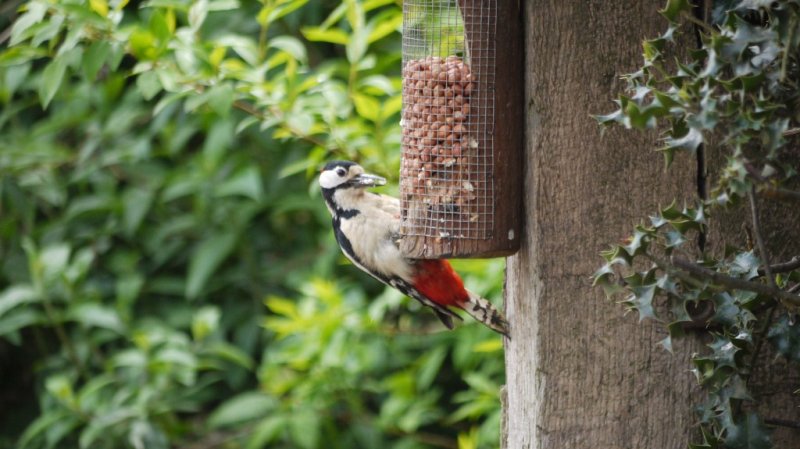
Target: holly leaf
690, 141
673, 8
642, 300
724, 352
637, 243
750, 433
725, 309
666, 343
746, 264
613, 117
785, 337
674, 239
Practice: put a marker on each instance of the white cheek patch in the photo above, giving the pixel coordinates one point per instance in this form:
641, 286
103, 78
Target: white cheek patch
329, 179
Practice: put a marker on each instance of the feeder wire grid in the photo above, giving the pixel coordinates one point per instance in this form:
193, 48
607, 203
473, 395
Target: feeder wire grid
447, 183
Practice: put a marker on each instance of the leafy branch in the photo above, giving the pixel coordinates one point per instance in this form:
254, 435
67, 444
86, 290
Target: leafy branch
278, 114
732, 283
160, 157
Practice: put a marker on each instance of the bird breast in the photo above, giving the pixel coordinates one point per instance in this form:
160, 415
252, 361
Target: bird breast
371, 234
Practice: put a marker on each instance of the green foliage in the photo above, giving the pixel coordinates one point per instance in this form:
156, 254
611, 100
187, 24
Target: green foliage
166, 264
738, 88
738, 95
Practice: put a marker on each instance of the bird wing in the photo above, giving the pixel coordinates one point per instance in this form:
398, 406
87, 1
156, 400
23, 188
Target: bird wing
389, 204
444, 314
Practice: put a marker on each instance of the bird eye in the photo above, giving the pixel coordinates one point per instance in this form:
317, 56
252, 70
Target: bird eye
340, 171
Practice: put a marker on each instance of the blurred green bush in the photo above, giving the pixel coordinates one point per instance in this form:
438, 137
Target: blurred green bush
167, 273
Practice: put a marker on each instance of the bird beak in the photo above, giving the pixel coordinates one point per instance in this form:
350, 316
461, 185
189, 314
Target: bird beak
366, 180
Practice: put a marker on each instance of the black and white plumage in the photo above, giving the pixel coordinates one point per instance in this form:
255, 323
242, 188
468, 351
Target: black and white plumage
367, 226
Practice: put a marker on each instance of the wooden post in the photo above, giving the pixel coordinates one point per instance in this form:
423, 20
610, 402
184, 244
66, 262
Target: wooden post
580, 374
505, 136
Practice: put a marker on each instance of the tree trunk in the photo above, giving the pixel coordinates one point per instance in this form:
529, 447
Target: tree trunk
579, 373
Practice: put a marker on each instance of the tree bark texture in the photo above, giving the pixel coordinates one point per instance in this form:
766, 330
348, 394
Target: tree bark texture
580, 374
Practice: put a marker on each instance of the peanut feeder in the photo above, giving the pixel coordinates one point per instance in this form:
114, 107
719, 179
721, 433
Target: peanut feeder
461, 128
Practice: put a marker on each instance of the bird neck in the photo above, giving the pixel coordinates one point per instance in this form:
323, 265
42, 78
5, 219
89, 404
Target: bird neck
343, 202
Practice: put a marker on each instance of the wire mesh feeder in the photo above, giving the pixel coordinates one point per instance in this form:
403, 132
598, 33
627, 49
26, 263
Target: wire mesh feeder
449, 171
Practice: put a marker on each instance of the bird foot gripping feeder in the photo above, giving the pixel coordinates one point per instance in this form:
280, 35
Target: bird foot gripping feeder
461, 171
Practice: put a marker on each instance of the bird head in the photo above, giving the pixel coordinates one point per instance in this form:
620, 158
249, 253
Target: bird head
345, 175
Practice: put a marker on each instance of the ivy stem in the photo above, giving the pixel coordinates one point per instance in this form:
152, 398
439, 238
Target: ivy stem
782, 423
762, 248
785, 59
782, 267
780, 193
791, 132
668, 268
736, 283
759, 340
691, 18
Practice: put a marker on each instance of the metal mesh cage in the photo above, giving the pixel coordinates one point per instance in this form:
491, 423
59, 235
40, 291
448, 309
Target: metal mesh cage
447, 179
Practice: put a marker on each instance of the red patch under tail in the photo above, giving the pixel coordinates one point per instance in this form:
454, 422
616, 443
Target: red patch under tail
437, 280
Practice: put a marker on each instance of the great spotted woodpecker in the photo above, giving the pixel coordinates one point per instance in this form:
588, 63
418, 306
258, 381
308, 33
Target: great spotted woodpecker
367, 226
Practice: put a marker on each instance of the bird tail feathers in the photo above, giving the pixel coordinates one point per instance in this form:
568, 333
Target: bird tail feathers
482, 310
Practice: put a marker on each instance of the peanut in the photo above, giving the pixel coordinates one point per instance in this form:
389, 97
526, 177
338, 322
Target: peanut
438, 147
